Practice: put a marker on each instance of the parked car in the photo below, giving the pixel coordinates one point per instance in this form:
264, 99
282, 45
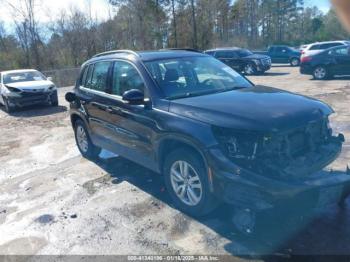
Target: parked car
331, 62
318, 47
213, 135
282, 54
242, 60
20, 88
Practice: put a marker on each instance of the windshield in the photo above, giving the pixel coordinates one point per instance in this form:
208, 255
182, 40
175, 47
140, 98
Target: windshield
23, 77
193, 76
244, 53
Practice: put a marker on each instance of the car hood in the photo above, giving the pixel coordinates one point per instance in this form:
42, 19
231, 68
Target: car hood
258, 108
256, 56
29, 85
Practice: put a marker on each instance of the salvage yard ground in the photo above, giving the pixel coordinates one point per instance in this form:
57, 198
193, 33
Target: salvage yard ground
53, 201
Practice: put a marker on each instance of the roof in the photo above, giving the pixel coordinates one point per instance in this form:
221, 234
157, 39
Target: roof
146, 55
224, 49
18, 71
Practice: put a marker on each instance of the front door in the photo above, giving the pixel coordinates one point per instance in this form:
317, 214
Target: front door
131, 126
342, 57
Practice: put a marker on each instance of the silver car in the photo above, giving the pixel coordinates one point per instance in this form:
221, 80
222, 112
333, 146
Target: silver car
20, 88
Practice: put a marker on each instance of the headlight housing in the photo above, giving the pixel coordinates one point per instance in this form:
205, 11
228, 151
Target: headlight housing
13, 89
51, 88
257, 61
237, 144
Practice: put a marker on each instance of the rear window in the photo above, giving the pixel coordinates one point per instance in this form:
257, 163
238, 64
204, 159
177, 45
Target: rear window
315, 47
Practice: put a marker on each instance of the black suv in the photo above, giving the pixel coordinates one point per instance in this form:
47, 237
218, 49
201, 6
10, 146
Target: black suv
212, 134
242, 60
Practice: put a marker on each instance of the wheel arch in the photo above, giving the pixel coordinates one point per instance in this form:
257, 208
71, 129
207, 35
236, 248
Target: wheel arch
169, 144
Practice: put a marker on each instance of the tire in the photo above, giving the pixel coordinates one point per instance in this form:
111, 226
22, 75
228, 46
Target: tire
54, 99
249, 69
295, 62
8, 108
321, 73
86, 148
204, 201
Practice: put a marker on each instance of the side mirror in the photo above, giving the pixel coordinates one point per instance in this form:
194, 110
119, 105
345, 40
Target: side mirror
70, 97
49, 78
134, 97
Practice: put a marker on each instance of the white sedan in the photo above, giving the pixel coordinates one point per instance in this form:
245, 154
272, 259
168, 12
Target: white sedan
20, 88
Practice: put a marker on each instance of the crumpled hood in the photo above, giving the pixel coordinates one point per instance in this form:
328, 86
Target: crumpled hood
258, 108
29, 85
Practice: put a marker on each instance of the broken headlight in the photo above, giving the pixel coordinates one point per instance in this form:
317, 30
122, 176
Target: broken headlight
237, 144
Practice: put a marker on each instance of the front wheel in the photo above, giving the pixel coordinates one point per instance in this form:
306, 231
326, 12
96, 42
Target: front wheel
54, 99
249, 69
295, 62
321, 73
9, 109
85, 146
186, 180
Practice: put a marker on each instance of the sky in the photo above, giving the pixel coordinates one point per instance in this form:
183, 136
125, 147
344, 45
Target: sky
48, 10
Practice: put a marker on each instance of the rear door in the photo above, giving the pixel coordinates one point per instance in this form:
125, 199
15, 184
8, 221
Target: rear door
230, 58
92, 95
281, 54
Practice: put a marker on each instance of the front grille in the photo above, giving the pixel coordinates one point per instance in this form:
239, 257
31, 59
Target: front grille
266, 61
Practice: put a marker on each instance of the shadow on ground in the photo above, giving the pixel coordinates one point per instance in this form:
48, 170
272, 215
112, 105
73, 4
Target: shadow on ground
328, 233
333, 78
273, 74
38, 110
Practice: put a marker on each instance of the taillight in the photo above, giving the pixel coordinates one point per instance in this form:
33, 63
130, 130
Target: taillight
306, 59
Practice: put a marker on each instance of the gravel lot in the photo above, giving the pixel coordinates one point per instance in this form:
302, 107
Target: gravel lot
52, 201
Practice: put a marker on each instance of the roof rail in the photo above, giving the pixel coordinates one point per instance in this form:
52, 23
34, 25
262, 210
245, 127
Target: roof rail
116, 52
181, 49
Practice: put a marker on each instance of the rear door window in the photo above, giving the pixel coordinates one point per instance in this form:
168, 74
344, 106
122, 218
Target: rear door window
99, 76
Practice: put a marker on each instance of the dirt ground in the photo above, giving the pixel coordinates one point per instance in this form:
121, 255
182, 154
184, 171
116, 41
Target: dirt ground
53, 201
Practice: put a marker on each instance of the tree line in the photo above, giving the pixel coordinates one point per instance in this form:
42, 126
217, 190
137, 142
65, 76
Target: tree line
74, 35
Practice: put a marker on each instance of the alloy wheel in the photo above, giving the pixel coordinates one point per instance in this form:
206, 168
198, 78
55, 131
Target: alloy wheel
82, 139
320, 73
249, 69
295, 62
186, 183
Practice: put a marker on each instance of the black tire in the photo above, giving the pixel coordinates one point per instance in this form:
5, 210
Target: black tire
207, 202
91, 151
321, 73
54, 99
295, 61
8, 108
249, 69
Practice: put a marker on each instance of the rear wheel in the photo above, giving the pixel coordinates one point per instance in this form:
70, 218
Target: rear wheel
85, 146
321, 73
295, 61
186, 180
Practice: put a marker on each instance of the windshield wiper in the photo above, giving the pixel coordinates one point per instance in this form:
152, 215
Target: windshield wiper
192, 94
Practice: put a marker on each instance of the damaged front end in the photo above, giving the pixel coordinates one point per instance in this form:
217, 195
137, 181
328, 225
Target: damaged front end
286, 155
